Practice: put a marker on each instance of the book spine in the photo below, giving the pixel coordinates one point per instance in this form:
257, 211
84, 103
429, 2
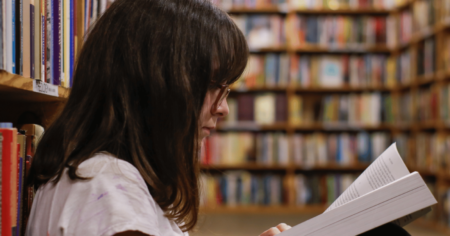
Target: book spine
48, 41
43, 45
56, 32
13, 30
7, 185
20, 31
72, 39
2, 35
32, 40
62, 38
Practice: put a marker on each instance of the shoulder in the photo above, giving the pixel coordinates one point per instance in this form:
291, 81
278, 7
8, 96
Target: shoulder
114, 199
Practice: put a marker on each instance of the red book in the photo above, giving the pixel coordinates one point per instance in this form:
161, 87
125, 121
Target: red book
9, 179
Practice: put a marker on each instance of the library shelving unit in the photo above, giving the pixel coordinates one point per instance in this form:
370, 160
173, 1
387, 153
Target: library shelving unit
420, 105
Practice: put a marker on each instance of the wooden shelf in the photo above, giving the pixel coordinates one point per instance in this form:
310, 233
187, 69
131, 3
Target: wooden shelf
344, 49
426, 79
344, 11
260, 167
345, 127
334, 167
279, 49
16, 88
251, 126
249, 166
259, 89
343, 89
239, 209
259, 10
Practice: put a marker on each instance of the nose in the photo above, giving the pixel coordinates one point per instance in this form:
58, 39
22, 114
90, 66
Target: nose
223, 109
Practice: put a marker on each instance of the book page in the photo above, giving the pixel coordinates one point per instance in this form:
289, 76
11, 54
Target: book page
387, 168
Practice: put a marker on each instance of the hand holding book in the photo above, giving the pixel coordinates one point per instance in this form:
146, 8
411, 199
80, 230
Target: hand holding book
384, 193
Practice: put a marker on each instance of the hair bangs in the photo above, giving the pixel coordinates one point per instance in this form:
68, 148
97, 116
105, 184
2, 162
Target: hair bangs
231, 54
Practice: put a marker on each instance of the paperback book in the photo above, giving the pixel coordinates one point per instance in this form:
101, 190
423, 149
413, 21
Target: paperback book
385, 192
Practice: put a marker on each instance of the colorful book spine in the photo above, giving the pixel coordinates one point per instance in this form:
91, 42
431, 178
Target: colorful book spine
43, 42
56, 34
32, 39
49, 41
73, 39
13, 33
9, 175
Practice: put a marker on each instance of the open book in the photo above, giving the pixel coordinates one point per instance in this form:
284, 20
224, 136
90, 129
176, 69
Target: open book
385, 192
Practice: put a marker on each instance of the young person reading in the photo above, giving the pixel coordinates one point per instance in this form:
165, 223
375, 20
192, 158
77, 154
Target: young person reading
122, 157
150, 83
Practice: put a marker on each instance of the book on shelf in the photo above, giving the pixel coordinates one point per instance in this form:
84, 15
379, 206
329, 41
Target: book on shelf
228, 5
40, 37
341, 110
264, 71
262, 31
16, 151
259, 109
342, 4
406, 27
337, 32
424, 14
385, 192
367, 71
306, 151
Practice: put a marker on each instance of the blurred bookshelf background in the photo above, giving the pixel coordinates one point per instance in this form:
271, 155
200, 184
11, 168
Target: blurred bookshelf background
330, 84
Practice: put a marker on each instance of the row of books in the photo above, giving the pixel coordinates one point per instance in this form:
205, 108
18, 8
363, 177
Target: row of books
424, 14
427, 104
338, 31
39, 38
16, 153
241, 188
304, 4
262, 31
338, 71
303, 150
444, 103
343, 70
264, 108
341, 110
265, 70
343, 4
426, 58
399, 69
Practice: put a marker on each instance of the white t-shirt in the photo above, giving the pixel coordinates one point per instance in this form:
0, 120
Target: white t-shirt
116, 199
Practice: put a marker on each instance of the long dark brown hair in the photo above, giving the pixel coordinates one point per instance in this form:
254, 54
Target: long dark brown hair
139, 85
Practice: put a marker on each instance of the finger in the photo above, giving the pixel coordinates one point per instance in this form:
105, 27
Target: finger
282, 227
271, 232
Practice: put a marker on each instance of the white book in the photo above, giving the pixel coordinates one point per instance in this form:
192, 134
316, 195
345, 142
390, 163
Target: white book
331, 72
385, 192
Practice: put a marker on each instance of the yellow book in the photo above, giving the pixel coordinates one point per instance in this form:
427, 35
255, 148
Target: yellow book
295, 110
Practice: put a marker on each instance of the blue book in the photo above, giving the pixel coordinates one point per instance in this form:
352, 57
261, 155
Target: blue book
266, 186
19, 206
339, 150
72, 42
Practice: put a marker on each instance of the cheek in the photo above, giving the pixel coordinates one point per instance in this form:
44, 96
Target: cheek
205, 113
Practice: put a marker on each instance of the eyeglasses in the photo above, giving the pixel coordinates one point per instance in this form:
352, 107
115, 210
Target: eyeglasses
223, 94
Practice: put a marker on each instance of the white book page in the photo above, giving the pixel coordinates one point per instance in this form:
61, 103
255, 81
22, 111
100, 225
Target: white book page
387, 168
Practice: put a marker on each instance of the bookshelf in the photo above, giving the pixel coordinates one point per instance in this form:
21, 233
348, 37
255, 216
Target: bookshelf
18, 97
404, 124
